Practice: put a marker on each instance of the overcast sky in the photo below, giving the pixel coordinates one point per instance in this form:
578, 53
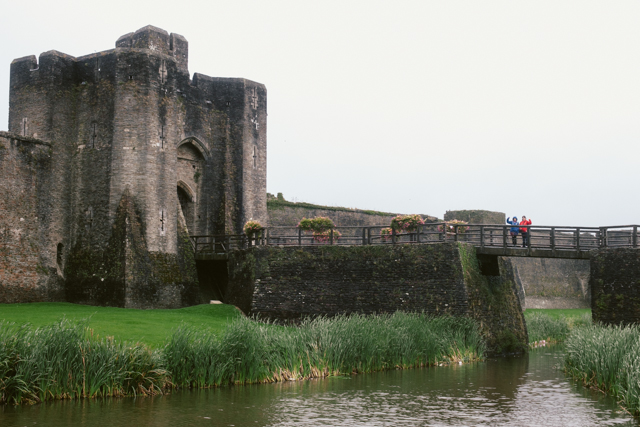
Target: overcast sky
527, 108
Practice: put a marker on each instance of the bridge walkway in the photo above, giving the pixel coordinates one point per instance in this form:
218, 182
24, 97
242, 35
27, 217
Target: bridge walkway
489, 239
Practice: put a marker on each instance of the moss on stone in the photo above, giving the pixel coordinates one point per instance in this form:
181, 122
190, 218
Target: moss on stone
126, 273
494, 303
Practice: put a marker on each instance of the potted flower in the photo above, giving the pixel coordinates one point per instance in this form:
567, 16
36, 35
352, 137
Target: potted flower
252, 229
325, 236
386, 234
320, 227
406, 223
451, 226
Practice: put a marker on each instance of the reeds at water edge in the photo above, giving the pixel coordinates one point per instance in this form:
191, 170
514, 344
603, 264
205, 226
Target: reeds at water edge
250, 351
607, 358
541, 326
65, 360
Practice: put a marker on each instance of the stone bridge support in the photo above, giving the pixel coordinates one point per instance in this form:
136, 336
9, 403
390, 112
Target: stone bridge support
615, 285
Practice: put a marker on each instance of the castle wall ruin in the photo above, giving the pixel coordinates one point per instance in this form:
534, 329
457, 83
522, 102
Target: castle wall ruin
129, 136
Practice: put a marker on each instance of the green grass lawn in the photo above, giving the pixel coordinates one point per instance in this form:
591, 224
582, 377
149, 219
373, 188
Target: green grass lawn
573, 312
151, 327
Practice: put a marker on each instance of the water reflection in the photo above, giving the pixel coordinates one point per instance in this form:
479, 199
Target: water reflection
525, 391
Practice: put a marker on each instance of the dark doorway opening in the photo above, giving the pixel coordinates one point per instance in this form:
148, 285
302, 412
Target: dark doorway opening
213, 278
188, 209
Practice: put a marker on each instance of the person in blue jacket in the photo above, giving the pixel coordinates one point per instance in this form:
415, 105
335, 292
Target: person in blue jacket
514, 230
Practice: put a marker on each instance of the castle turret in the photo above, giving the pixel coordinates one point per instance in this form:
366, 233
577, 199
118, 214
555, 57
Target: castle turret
133, 135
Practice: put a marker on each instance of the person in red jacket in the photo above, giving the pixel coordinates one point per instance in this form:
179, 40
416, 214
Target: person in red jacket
525, 231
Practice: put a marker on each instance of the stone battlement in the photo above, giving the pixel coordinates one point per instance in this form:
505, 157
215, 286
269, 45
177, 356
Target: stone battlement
189, 154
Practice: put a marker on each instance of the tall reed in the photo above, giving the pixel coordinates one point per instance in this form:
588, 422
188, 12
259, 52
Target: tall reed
607, 357
541, 326
250, 351
63, 360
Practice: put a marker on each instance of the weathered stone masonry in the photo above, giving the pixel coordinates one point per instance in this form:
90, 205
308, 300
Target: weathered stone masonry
28, 265
290, 283
615, 285
130, 135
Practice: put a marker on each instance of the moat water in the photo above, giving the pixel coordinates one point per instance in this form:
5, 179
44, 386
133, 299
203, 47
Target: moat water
517, 391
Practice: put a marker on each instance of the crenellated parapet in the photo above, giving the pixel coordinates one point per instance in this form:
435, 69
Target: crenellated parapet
131, 120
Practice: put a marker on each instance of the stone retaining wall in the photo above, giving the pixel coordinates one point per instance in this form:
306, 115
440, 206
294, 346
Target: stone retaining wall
290, 283
615, 285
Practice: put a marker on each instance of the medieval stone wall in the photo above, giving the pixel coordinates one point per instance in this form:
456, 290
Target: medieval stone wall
28, 268
554, 283
615, 281
283, 213
290, 283
476, 216
130, 122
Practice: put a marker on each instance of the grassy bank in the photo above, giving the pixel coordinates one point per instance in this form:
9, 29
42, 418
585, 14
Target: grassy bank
554, 325
607, 358
151, 327
65, 360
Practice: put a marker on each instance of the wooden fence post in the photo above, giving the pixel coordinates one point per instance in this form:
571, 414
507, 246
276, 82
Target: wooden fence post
504, 236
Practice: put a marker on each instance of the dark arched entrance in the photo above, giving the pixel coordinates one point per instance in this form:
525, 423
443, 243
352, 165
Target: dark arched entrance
187, 205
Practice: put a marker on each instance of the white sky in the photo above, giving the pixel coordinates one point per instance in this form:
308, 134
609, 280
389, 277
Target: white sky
528, 108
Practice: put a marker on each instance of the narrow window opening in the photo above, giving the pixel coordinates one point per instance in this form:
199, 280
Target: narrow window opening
94, 134
163, 72
163, 219
162, 136
254, 99
89, 215
255, 161
59, 256
24, 127
130, 77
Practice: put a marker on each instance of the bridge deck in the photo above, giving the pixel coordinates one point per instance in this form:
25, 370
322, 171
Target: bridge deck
489, 239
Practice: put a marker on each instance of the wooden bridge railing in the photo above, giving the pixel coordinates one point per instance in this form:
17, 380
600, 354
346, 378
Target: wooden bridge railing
554, 238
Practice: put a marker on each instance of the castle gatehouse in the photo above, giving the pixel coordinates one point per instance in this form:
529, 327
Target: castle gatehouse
112, 160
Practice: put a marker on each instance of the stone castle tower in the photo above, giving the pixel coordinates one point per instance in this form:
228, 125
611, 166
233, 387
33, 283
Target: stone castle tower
133, 156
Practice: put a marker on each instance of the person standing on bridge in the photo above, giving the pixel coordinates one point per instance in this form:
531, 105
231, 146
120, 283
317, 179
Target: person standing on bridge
514, 230
525, 231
